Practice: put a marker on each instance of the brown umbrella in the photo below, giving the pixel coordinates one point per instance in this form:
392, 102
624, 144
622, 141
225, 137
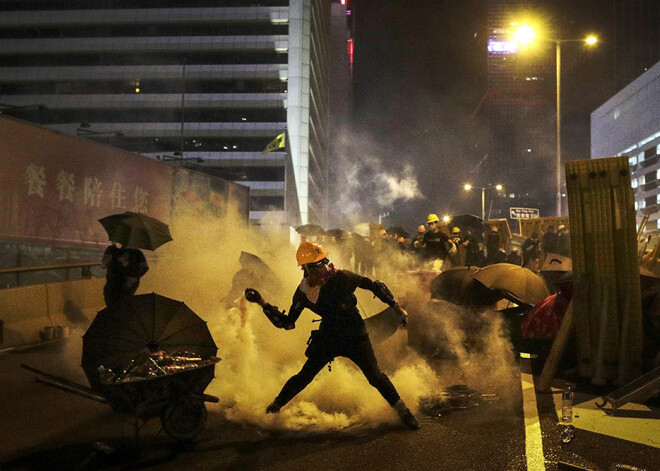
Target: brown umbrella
557, 263
519, 284
381, 326
458, 286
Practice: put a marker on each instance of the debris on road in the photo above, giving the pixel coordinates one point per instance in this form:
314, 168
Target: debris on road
456, 397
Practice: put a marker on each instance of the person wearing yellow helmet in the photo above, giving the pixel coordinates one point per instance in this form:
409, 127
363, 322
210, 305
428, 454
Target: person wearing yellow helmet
330, 293
436, 244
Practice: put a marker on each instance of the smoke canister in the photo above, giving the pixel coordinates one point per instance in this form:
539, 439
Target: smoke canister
567, 403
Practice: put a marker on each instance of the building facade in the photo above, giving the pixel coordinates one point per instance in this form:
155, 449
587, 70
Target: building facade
629, 124
197, 83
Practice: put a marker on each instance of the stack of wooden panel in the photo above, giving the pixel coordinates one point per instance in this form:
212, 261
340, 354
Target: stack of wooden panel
607, 301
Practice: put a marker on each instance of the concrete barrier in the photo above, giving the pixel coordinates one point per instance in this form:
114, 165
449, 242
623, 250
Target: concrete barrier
27, 311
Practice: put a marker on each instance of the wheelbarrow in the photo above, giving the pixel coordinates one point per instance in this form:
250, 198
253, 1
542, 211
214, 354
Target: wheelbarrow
178, 399
121, 333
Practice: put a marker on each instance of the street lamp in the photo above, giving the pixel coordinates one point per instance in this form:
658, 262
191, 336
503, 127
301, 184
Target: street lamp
469, 186
525, 35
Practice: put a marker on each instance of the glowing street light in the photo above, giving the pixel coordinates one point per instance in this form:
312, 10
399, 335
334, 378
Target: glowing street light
524, 35
446, 218
469, 186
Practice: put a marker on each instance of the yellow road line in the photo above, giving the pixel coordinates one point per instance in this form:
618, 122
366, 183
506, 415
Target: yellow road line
533, 437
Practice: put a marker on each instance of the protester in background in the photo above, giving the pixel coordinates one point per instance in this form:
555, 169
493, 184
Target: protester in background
436, 243
124, 268
416, 244
530, 251
457, 257
493, 246
549, 240
563, 241
473, 253
514, 257
330, 293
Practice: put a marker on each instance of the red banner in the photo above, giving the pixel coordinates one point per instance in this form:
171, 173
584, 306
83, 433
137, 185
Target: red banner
55, 187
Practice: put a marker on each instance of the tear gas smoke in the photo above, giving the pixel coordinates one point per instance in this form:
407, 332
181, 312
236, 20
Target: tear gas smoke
257, 359
367, 185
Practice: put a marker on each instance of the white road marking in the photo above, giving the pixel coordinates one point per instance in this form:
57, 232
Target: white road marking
533, 437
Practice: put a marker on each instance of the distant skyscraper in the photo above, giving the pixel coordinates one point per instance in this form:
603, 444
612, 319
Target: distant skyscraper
200, 83
518, 107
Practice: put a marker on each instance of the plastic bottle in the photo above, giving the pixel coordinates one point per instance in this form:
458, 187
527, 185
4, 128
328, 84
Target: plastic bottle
567, 403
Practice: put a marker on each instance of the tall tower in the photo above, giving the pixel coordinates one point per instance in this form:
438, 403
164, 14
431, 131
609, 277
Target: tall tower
191, 83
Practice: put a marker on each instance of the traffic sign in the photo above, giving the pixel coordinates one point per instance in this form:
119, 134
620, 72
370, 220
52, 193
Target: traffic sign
523, 213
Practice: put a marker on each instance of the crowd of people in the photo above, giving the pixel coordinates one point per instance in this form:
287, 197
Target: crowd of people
438, 246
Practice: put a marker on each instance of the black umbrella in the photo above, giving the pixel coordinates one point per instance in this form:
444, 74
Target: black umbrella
397, 231
310, 229
458, 286
383, 325
469, 221
120, 333
337, 233
136, 230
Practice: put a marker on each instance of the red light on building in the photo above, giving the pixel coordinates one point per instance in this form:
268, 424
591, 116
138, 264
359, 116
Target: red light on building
349, 50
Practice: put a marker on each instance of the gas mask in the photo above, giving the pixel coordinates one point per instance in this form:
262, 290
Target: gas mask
319, 272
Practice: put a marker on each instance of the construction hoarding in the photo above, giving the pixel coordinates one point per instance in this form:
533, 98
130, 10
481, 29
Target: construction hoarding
607, 301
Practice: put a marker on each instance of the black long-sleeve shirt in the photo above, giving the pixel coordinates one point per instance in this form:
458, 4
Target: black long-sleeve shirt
337, 303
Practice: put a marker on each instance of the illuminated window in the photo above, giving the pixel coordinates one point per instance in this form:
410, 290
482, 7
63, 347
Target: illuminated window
636, 206
657, 199
633, 160
640, 157
642, 204
642, 180
634, 183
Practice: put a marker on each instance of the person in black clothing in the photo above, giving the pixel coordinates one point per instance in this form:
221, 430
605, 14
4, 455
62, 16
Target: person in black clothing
563, 241
473, 253
549, 241
530, 251
493, 247
124, 268
514, 257
436, 244
330, 293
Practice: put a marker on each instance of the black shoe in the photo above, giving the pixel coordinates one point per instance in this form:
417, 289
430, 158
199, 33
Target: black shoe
273, 408
409, 420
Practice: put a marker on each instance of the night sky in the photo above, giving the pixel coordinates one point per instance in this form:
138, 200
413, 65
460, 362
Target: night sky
420, 73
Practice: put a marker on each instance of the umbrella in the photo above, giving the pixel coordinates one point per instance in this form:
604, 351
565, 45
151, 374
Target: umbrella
136, 230
337, 233
120, 333
519, 284
469, 221
557, 263
310, 229
398, 231
458, 286
383, 325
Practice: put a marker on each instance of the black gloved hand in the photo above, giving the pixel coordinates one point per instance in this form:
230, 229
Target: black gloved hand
253, 296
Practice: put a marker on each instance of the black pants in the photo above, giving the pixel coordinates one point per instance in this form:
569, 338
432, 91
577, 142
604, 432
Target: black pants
358, 350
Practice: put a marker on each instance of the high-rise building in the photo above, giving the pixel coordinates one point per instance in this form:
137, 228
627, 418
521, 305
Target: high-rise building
518, 108
200, 83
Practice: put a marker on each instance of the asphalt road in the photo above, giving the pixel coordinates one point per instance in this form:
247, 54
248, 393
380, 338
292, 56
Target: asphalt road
42, 428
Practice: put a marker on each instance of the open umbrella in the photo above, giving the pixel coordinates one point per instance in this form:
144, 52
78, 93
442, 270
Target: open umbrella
458, 286
469, 221
557, 263
519, 284
397, 231
310, 229
383, 325
338, 234
120, 333
136, 230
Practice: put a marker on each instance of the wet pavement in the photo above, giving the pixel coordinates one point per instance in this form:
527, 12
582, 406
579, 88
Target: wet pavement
48, 429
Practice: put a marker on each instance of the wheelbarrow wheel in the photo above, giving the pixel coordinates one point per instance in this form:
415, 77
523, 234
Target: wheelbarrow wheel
184, 419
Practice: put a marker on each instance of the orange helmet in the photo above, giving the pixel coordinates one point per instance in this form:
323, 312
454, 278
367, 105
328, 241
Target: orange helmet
421, 229
310, 252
